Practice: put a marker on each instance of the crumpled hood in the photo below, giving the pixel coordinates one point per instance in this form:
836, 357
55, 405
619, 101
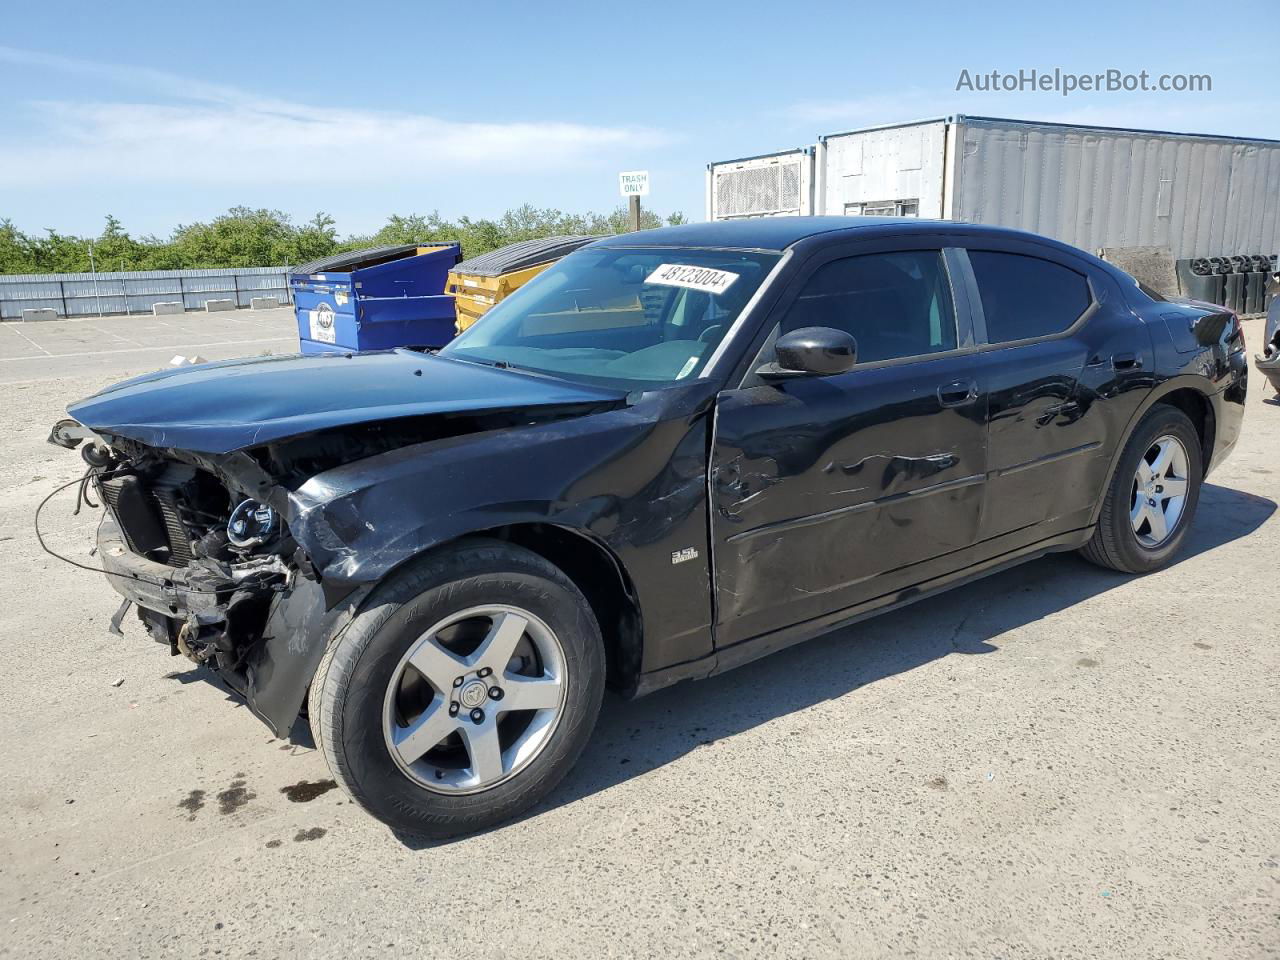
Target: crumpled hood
233, 404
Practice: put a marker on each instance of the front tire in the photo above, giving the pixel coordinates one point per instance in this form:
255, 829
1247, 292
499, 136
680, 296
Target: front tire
1148, 508
462, 692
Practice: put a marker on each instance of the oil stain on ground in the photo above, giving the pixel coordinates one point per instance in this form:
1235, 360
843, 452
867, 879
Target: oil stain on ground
302, 791
315, 833
234, 797
193, 803
1086, 662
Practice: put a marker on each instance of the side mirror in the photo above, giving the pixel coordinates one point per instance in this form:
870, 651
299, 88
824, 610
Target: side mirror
811, 352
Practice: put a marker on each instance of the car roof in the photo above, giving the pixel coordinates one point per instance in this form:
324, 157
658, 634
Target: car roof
779, 233
757, 233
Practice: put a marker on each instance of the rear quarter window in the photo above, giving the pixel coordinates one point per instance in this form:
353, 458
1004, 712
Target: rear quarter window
1025, 297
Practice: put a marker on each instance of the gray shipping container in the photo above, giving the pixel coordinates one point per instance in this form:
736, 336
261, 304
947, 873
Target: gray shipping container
1092, 187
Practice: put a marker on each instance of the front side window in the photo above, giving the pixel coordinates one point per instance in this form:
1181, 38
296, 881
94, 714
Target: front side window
1024, 297
893, 304
627, 317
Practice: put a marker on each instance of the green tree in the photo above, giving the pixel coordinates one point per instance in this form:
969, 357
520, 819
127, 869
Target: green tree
243, 237
247, 237
317, 238
17, 251
61, 253
114, 249
400, 230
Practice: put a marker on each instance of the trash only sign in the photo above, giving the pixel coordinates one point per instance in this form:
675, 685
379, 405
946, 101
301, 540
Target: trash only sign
634, 183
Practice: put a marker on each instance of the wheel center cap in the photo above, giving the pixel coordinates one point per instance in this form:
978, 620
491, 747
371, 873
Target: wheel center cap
473, 694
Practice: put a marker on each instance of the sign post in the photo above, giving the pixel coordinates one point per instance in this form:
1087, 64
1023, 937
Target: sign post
634, 184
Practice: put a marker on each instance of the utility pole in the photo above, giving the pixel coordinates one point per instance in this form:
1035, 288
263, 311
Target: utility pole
94, 270
124, 289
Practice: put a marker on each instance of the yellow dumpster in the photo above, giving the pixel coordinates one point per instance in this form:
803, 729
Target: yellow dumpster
477, 284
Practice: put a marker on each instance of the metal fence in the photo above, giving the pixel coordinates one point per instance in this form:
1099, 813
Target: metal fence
89, 295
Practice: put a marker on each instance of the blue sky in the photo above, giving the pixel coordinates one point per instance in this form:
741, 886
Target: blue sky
162, 116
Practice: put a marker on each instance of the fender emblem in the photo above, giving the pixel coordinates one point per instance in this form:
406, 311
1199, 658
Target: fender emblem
680, 556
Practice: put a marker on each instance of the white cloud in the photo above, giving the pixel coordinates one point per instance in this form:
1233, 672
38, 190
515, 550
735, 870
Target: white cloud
188, 131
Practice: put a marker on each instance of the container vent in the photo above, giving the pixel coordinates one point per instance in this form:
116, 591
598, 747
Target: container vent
756, 191
790, 173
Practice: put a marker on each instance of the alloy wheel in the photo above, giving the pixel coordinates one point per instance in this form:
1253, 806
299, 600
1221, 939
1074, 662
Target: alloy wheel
1159, 491
475, 699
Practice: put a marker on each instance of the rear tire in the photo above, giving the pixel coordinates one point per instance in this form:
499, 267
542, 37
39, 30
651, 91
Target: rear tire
1142, 524
417, 670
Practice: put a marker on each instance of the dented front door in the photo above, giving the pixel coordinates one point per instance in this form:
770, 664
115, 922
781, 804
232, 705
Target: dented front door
826, 491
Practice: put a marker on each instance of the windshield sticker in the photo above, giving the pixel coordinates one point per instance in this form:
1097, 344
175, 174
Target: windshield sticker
706, 279
687, 368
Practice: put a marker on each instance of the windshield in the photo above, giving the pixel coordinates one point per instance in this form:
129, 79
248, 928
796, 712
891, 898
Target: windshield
623, 316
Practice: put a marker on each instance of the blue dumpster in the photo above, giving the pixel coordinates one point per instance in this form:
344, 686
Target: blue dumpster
376, 299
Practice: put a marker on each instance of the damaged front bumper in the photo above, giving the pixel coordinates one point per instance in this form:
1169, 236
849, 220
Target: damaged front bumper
262, 629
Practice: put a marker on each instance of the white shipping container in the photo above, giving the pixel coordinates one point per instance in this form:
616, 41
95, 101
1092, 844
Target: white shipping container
1092, 187
773, 185
886, 171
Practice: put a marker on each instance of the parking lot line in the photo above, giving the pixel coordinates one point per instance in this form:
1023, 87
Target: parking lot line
111, 333
139, 349
26, 338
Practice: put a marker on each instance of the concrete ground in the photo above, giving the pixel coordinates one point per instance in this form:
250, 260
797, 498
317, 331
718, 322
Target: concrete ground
98, 347
1056, 762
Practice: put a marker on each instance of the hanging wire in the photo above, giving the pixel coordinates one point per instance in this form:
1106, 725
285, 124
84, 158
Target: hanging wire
82, 495
91, 476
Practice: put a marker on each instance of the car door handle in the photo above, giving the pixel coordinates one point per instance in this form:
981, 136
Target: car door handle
1126, 361
958, 393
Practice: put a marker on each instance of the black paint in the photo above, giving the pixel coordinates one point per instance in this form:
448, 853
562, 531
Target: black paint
792, 505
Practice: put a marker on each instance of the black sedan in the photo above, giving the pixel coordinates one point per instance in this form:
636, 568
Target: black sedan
671, 453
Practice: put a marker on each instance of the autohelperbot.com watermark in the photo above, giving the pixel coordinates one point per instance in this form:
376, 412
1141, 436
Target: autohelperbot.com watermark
1066, 82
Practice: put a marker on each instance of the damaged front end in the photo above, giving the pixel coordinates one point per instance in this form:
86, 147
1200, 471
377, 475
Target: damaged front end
253, 505
200, 545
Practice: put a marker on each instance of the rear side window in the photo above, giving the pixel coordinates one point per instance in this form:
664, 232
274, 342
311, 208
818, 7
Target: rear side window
1025, 297
894, 304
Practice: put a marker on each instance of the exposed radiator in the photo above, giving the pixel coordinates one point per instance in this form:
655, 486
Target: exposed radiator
165, 495
149, 514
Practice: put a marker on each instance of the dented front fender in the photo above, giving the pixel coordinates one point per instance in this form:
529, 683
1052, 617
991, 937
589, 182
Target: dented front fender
632, 479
